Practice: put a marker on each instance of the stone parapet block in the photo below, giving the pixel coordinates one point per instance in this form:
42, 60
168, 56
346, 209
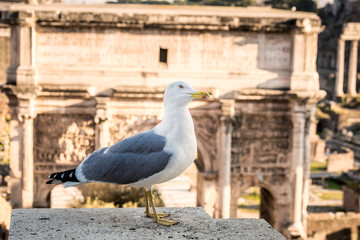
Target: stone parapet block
131, 223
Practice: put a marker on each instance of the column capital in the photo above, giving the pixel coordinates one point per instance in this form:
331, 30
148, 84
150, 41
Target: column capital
101, 118
26, 111
101, 114
25, 97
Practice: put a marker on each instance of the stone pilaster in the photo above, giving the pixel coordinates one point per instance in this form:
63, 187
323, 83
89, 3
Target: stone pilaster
340, 68
304, 76
225, 157
297, 61
102, 134
22, 58
352, 68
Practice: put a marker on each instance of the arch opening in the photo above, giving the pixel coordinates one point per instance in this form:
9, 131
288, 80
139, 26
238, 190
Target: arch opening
248, 205
256, 202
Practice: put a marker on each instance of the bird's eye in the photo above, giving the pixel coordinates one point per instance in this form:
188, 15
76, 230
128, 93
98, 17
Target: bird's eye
181, 86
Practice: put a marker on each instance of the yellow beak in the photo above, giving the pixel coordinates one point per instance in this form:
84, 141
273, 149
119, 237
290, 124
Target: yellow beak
200, 95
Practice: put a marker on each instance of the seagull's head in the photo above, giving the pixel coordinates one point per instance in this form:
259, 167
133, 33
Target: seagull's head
181, 94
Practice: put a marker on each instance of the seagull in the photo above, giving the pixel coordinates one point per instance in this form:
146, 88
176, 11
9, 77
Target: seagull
147, 158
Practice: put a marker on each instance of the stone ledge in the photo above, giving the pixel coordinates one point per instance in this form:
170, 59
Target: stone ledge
130, 223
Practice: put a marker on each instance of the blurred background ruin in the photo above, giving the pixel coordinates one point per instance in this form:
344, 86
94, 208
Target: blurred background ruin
279, 139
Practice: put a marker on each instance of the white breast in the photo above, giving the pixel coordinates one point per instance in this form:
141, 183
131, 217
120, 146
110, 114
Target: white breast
180, 142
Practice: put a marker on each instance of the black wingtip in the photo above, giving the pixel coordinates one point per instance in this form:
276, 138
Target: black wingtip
61, 177
49, 182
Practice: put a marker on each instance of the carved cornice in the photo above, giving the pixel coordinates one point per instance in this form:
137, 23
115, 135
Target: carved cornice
24, 92
269, 94
22, 18
168, 17
80, 91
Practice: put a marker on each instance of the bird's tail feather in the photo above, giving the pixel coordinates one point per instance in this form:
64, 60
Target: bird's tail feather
67, 178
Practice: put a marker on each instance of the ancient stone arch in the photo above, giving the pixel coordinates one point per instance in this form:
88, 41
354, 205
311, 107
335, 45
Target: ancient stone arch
68, 98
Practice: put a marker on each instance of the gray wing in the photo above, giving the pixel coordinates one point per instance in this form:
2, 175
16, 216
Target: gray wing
127, 161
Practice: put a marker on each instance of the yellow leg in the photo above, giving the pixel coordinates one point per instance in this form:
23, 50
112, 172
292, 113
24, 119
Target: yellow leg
162, 221
147, 209
148, 213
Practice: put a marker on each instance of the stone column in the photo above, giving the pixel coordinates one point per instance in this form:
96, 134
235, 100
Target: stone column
26, 116
309, 120
16, 166
225, 158
225, 167
209, 193
297, 171
102, 134
340, 68
21, 103
352, 68
28, 162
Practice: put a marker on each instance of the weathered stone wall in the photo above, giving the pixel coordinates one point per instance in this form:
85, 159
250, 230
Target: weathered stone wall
351, 200
261, 153
333, 226
342, 161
